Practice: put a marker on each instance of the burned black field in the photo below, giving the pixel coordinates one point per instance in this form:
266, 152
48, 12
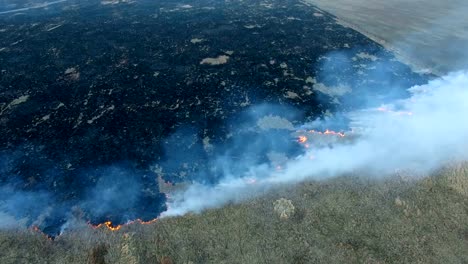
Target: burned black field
95, 95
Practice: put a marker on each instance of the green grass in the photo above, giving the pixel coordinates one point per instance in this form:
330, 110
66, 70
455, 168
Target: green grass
343, 220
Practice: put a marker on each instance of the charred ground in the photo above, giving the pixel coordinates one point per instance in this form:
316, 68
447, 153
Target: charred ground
92, 95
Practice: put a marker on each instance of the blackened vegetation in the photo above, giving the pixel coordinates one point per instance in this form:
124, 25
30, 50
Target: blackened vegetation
106, 89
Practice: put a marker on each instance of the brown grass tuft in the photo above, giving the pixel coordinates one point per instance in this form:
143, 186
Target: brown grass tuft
98, 254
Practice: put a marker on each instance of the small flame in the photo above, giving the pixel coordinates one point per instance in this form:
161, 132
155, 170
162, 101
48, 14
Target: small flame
331, 132
112, 227
302, 139
109, 225
38, 230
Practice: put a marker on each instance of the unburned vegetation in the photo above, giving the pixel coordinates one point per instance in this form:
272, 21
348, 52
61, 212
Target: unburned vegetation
352, 219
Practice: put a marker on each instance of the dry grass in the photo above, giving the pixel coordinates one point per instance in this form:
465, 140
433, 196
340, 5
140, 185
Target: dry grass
456, 177
348, 219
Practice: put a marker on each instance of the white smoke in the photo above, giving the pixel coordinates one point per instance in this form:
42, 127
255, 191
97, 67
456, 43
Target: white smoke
420, 134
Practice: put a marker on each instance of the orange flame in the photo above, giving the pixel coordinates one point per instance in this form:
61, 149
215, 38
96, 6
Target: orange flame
112, 227
302, 139
36, 229
331, 132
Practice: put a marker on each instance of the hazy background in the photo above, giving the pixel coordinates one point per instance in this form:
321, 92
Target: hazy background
424, 33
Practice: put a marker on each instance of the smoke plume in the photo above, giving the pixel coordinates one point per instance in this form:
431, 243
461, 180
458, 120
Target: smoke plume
419, 134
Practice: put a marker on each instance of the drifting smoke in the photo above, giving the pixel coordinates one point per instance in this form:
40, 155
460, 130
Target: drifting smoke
14, 203
420, 134
113, 193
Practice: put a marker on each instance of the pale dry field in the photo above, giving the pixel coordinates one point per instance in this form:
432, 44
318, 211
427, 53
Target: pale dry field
350, 219
429, 34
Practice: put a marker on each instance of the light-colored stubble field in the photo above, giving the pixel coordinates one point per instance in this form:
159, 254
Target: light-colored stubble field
429, 34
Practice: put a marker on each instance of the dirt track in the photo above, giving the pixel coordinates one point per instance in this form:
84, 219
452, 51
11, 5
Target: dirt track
429, 34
